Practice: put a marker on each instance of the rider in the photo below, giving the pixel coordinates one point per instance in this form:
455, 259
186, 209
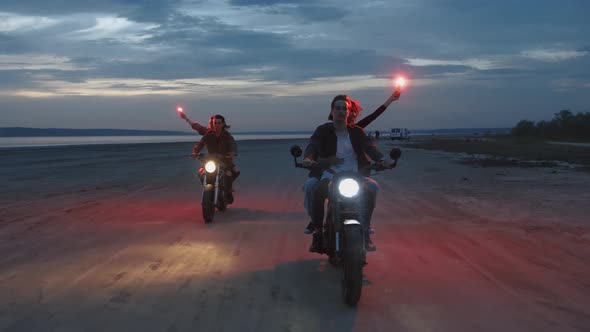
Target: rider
344, 147
312, 182
218, 140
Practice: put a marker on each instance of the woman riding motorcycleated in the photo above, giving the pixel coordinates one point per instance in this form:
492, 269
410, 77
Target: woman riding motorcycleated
342, 146
312, 182
217, 140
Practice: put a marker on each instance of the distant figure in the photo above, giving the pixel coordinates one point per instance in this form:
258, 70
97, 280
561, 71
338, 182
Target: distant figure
217, 140
377, 133
202, 130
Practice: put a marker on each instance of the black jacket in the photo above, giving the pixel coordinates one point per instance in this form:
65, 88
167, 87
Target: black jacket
322, 144
223, 145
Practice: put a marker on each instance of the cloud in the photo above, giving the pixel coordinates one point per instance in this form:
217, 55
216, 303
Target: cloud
116, 28
309, 12
261, 2
210, 87
12, 22
481, 64
35, 62
552, 55
142, 11
11, 44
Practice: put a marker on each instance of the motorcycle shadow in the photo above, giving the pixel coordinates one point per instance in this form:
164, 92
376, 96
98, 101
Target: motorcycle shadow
313, 286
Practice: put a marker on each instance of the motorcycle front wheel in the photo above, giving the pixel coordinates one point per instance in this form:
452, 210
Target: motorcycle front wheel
208, 205
352, 264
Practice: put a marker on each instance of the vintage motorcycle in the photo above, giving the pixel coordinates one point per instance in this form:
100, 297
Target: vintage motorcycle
346, 229
214, 183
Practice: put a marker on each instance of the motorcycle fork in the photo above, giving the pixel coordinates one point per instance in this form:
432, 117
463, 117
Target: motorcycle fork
335, 218
216, 186
204, 187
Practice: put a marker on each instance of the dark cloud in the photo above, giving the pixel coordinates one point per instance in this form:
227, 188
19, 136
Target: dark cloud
306, 10
15, 79
13, 45
311, 12
142, 11
263, 2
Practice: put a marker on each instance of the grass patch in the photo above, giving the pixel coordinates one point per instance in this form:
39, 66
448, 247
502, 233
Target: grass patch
505, 147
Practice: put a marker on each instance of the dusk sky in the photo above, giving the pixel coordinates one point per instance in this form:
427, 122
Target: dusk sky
276, 64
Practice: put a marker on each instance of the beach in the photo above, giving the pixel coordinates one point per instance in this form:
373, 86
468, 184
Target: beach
111, 238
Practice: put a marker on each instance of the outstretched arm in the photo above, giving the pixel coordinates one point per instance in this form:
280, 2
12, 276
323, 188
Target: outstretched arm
195, 125
364, 122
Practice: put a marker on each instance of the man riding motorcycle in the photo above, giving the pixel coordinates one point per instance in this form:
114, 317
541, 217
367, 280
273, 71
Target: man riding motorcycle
341, 146
217, 140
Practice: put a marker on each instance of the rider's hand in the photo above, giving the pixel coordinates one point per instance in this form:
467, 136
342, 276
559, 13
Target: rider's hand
383, 164
395, 96
308, 163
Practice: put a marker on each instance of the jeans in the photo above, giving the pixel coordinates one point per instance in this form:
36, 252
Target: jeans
309, 187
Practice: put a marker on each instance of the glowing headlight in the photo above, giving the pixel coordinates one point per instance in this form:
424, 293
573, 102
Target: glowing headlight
348, 188
210, 167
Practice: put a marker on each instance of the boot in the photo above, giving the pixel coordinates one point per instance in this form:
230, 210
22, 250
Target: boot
318, 243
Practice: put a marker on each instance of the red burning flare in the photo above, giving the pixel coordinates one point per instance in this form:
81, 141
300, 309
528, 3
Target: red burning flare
400, 82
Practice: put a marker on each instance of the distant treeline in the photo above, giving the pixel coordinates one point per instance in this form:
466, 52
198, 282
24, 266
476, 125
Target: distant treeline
565, 125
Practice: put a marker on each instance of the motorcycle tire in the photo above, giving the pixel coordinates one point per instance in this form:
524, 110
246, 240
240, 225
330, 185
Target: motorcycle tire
208, 206
221, 203
330, 240
352, 265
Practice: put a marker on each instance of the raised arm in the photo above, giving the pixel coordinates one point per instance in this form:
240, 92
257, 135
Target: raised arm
195, 125
364, 122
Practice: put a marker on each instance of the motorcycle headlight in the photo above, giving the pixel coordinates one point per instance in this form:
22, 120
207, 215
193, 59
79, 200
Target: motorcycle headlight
348, 187
210, 167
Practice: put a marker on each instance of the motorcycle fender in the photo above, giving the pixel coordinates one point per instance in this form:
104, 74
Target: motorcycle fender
209, 187
351, 222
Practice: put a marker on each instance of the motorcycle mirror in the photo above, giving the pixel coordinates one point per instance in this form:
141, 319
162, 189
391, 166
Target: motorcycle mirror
296, 151
395, 153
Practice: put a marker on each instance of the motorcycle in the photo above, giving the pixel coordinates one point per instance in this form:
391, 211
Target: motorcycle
346, 229
214, 183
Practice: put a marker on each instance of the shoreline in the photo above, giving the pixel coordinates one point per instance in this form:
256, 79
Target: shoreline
484, 151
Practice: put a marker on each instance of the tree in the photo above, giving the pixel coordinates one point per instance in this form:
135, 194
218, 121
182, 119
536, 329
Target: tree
524, 128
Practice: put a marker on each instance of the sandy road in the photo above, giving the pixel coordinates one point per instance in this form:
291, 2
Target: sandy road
116, 243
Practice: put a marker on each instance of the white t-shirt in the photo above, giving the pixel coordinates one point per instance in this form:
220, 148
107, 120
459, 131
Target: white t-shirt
344, 151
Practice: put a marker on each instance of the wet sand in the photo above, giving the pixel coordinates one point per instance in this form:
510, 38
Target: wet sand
110, 238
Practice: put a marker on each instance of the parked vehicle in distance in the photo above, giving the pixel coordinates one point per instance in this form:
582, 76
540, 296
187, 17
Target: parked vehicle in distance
399, 134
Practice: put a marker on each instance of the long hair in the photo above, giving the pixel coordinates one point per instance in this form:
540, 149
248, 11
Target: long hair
355, 110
